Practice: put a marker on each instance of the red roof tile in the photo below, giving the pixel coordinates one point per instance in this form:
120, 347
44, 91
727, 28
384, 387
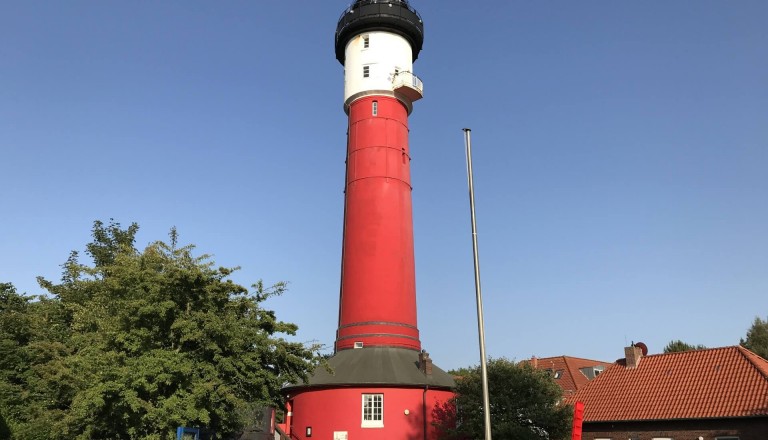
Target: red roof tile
572, 379
713, 383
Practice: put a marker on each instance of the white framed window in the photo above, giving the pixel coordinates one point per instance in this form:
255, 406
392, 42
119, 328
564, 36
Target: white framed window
366, 42
366, 71
375, 108
373, 411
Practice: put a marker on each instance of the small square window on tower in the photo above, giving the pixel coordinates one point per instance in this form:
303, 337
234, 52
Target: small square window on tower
373, 411
366, 71
366, 42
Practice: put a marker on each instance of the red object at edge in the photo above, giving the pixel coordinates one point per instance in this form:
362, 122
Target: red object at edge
578, 418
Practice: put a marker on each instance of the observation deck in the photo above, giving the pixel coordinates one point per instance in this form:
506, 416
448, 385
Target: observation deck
408, 85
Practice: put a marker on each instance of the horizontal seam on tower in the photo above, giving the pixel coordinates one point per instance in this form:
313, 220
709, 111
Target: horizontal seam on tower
357, 121
383, 177
400, 324
399, 150
378, 335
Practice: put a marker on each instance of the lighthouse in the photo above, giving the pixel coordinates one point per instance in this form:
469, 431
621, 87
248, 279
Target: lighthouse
382, 384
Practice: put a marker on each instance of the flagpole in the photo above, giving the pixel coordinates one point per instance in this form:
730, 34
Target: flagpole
478, 293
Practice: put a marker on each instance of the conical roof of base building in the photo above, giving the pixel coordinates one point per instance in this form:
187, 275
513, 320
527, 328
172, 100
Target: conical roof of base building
376, 366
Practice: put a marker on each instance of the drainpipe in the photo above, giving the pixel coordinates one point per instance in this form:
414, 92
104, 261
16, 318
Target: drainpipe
424, 409
289, 417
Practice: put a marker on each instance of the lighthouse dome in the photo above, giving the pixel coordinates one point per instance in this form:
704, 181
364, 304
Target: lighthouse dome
380, 15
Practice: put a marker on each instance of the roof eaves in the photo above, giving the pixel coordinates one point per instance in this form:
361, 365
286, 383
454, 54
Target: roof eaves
760, 364
681, 419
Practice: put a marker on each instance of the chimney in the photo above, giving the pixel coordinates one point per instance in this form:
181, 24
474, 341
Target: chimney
632, 355
425, 363
535, 362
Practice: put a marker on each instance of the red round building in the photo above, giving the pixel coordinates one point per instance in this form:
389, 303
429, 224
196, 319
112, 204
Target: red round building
382, 385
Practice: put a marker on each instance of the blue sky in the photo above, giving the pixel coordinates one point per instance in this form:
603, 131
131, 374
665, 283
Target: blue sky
620, 154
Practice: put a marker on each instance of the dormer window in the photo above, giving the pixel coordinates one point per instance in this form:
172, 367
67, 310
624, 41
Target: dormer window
557, 374
592, 372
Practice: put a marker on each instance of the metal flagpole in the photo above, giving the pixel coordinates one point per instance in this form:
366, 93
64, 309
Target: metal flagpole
478, 293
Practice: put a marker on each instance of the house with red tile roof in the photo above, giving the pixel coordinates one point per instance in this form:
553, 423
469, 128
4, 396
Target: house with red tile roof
571, 373
711, 394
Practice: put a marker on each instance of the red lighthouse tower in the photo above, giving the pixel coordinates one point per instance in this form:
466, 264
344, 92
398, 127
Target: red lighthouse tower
383, 386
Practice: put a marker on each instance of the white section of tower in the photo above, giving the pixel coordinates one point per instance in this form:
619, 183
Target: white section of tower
386, 54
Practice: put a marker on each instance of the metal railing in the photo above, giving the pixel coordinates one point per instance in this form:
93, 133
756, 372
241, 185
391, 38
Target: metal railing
404, 11
281, 434
402, 3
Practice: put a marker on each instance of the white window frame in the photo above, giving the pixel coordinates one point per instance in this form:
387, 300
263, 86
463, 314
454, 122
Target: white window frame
375, 108
375, 418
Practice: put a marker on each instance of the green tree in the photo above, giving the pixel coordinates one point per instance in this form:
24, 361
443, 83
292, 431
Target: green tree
151, 340
31, 342
678, 345
757, 338
14, 334
525, 404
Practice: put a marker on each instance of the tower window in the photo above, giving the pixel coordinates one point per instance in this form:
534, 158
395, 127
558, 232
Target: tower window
373, 411
375, 108
366, 42
366, 71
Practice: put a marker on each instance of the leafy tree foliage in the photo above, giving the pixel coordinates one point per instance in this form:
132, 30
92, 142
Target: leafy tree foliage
525, 403
30, 346
139, 343
14, 334
678, 345
757, 338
